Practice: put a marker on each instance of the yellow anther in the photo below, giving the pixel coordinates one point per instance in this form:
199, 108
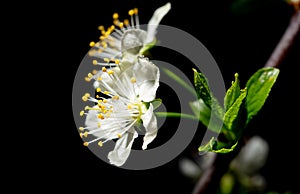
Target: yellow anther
86, 143
104, 44
91, 52
131, 12
115, 16
99, 124
81, 113
101, 28
121, 25
99, 78
133, 80
99, 101
81, 128
112, 27
87, 79
87, 94
102, 37
92, 44
115, 97
116, 22
106, 60
103, 69
126, 22
95, 62
110, 72
94, 71
119, 135
101, 106
87, 108
104, 101
84, 98
117, 61
97, 44
106, 92
85, 134
100, 116
90, 75
107, 33
136, 11
129, 106
98, 89
100, 143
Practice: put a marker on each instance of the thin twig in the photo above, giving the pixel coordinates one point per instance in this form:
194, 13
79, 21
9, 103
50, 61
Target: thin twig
285, 42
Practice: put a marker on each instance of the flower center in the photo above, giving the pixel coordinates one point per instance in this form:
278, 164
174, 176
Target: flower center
137, 109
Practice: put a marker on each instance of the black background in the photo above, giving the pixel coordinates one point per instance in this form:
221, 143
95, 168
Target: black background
58, 36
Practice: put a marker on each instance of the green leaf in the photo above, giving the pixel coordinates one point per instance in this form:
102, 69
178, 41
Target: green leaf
204, 93
258, 88
233, 118
232, 93
209, 146
202, 88
156, 103
214, 146
225, 149
203, 113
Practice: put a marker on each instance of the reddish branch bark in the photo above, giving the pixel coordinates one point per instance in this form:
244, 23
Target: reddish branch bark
285, 42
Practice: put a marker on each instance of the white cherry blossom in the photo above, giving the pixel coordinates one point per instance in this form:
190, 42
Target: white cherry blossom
123, 103
125, 40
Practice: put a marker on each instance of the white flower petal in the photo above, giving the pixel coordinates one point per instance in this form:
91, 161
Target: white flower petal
124, 87
128, 60
122, 148
133, 40
92, 122
91, 118
150, 124
155, 20
147, 79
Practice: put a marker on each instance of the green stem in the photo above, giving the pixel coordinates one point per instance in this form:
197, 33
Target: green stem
180, 81
176, 114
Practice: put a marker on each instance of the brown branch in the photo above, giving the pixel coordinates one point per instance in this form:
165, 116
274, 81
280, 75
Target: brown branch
205, 180
209, 181
285, 42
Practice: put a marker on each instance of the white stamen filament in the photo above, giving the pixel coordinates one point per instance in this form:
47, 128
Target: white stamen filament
131, 21
111, 137
137, 21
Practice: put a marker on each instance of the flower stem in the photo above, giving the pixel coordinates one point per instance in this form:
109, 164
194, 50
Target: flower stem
180, 81
176, 114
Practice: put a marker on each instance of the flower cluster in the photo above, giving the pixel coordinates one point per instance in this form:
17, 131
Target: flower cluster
125, 86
